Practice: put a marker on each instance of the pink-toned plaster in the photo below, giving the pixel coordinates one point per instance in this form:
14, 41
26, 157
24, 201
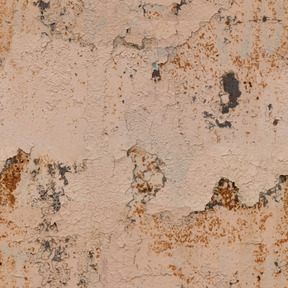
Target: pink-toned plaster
143, 144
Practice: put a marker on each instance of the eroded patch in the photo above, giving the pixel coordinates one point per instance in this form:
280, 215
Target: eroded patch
11, 176
36, 250
227, 244
148, 177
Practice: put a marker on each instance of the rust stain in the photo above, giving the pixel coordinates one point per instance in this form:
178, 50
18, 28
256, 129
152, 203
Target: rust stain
226, 195
148, 178
6, 25
226, 224
11, 176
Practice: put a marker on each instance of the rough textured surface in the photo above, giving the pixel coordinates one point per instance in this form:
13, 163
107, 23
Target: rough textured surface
143, 144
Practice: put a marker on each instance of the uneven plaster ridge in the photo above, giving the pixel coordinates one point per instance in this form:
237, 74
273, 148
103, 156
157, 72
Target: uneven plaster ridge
143, 144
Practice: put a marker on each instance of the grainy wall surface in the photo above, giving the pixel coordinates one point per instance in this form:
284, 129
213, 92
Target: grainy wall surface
143, 144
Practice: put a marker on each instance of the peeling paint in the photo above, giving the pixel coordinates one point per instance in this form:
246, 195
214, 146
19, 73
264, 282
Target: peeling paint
155, 143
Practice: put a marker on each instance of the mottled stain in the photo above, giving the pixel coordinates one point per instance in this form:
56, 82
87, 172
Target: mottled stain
10, 176
224, 226
225, 194
6, 26
219, 109
148, 178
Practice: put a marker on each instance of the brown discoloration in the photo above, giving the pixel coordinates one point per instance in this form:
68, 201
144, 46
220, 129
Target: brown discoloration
148, 177
6, 25
250, 45
226, 195
225, 225
11, 176
156, 75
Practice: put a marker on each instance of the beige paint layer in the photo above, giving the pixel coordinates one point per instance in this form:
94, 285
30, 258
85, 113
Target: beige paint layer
143, 144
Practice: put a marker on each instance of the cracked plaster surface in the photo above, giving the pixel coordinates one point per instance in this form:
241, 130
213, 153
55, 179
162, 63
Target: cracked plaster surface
143, 144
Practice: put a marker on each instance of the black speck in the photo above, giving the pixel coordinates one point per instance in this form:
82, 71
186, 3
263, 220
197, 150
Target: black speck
282, 178
156, 75
270, 106
52, 26
178, 6
264, 19
275, 122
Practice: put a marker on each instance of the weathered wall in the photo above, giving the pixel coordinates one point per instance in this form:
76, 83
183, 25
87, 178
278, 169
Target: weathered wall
143, 144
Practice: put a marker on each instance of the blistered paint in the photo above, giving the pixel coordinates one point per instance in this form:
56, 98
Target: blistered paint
143, 144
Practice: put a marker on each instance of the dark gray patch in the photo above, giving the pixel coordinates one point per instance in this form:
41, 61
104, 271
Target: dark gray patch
34, 173
224, 124
8, 163
230, 86
53, 26
156, 75
94, 267
57, 255
282, 178
207, 115
47, 226
210, 124
51, 169
274, 193
56, 204
42, 5
62, 171
178, 6
82, 282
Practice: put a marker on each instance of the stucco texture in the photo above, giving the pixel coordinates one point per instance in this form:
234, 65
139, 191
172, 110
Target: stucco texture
143, 144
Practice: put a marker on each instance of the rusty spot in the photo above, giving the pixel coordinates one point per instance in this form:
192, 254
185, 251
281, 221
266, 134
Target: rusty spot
226, 195
11, 176
148, 178
6, 26
225, 225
